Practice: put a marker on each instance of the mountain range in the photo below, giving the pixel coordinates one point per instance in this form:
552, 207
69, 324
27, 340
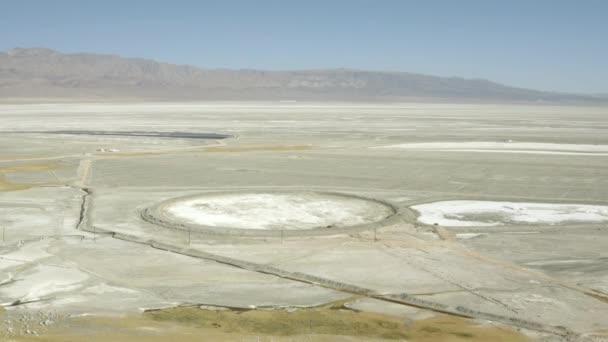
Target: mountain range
46, 73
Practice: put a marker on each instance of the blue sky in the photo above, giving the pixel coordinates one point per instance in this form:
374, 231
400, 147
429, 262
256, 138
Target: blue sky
550, 45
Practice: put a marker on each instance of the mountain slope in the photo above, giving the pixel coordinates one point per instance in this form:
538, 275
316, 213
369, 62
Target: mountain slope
40, 72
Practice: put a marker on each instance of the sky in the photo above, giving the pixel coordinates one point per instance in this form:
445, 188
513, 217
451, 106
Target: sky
549, 45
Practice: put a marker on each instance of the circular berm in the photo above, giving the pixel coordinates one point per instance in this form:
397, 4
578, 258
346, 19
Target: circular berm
271, 213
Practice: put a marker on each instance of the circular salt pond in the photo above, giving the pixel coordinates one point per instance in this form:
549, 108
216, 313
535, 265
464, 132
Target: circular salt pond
272, 211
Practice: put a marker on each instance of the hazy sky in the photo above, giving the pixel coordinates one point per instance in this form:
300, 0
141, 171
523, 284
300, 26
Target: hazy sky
543, 44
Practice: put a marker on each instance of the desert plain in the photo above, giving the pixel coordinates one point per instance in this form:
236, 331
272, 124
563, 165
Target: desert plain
288, 221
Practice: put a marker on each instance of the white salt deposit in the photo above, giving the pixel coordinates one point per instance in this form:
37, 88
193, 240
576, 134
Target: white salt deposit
277, 211
489, 213
506, 147
466, 236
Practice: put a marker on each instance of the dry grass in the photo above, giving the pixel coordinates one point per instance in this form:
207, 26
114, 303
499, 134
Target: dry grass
6, 185
598, 296
29, 167
320, 324
126, 154
258, 148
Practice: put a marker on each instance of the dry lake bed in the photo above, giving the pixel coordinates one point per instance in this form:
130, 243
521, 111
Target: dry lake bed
303, 222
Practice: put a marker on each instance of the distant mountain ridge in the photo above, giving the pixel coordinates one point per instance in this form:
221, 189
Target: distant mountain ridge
46, 73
